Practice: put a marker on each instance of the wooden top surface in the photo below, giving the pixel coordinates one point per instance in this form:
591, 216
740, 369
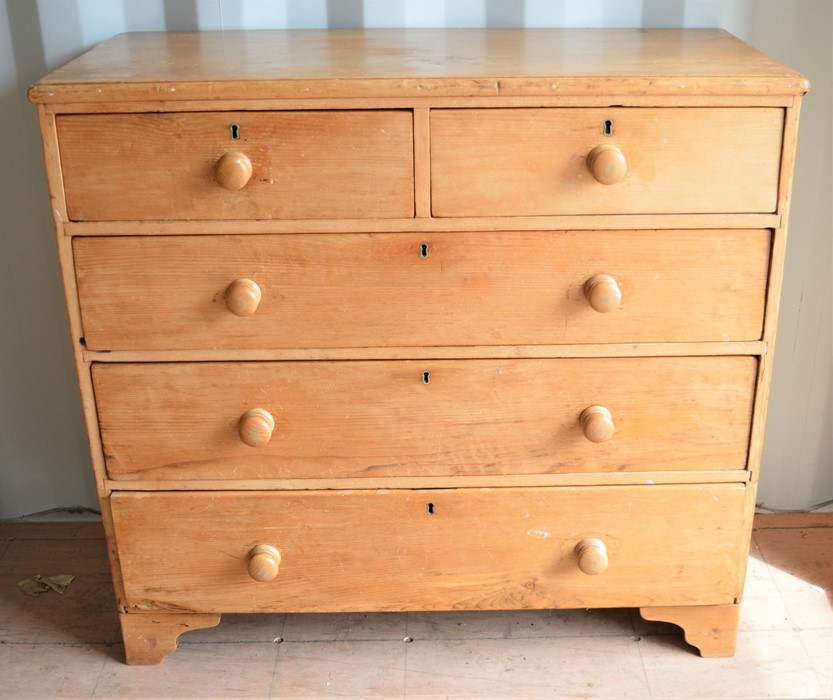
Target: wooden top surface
417, 63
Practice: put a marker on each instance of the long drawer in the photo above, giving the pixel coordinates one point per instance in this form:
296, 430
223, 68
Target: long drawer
434, 549
238, 165
515, 162
362, 290
301, 420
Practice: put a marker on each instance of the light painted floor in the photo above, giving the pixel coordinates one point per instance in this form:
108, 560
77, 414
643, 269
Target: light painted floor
68, 646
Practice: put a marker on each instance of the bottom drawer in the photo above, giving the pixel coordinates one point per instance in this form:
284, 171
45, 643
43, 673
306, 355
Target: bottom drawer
432, 549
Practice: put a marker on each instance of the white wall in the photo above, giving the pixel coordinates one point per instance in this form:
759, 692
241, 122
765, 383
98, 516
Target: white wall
43, 453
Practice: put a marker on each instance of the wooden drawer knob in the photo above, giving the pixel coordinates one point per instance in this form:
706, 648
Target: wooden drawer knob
597, 424
607, 164
264, 562
592, 556
243, 297
233, 170
603, 293
256, 427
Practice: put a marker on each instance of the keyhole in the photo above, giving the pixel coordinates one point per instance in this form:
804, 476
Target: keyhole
426, 377
608, 128
423, 250
235, 132
430, 509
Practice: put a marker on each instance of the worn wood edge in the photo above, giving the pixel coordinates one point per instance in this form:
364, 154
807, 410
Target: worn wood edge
697, 349
49, 137
773, 299
778, 247
258, 104
150, 637
582, 222
765, 364
462, 87
424, 482
713, 629
778, 244
88, 408
743, 546
265, 491
446, 45
422, 163
52, 161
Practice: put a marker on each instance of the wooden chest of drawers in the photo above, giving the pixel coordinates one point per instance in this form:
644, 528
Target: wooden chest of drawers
423, 320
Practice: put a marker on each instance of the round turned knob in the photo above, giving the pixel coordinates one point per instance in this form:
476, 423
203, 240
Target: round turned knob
597, 424
243, 297
603, 293
255, 427
233, 170
607, 164
264, 562
592, 556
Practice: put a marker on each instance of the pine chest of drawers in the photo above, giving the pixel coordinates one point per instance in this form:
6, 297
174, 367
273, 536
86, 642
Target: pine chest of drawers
423, 320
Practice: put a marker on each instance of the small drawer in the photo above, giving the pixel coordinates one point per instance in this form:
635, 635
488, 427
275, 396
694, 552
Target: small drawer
307, 420
527, 162
431, 550
413, 290
237, 165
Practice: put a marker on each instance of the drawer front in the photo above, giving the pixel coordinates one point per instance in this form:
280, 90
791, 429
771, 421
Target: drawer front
303, 165
525, 162
435, 549
381, 418
361, 290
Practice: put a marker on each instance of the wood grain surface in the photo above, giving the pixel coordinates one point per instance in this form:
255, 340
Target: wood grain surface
376, 419
150, 638
526, 162
430, 550
713, 629
383, 290
359, 63
305, 165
